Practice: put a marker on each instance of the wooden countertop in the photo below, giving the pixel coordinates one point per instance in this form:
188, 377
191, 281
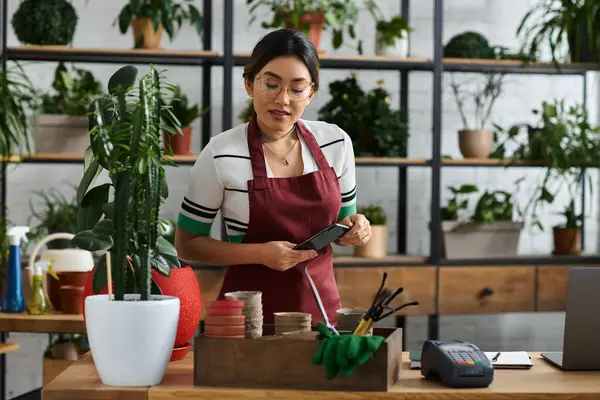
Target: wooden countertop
52, 322
80, 380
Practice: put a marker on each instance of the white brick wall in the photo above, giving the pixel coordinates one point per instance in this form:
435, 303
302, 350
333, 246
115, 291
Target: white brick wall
497, 19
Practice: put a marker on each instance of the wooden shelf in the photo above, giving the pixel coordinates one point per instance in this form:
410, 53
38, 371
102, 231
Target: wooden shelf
8, 347
389, 260
382, 161
515, 66
78, 158
50, 323
492, 162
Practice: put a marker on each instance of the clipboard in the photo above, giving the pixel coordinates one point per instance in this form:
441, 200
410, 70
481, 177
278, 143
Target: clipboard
510, 359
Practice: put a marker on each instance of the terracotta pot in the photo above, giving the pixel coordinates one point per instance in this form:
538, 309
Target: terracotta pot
475, 143
376, 246
180, 144
183, 284
145, 27
566, 240
315, 22
64, 279
71, 299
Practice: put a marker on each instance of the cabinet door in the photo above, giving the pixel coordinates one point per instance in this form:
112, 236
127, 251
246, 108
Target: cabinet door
358, 286
552, 287
480, 290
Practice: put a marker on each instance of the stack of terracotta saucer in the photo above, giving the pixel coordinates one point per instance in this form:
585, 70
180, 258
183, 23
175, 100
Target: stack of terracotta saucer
252, 311
224, 319
292, 322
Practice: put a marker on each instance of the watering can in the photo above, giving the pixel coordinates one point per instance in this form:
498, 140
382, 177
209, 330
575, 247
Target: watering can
71, 265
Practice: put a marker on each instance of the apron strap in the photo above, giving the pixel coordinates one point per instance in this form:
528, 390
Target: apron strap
314, 147
257, 156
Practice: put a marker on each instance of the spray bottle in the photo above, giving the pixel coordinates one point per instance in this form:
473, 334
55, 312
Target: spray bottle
12, 296
38, 302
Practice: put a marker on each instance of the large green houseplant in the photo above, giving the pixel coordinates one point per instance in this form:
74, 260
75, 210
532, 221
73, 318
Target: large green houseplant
148, 18
125, 141
376, 129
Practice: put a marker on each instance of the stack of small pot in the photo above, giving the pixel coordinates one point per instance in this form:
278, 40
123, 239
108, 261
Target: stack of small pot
292, 322
224, 319
253, 311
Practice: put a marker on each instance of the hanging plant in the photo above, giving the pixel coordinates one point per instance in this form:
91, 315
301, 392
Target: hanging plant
45, 22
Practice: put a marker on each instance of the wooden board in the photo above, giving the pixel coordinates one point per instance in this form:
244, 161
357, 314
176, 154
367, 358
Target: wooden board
552, 287
52, 368
287, 364
81, 381
8, 347
49, 323
357, 286
480, 290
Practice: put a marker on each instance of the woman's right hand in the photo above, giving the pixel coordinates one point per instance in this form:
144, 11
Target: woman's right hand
281, 256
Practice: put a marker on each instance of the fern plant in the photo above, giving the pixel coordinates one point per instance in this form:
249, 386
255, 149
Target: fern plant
125, 141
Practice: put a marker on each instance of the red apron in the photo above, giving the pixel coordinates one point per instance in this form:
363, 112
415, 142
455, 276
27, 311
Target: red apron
289, 209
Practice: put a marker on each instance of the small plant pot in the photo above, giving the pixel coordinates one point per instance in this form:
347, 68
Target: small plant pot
566, 240
398, 49
115, 330
376, 247
65, 351
64, 279
315, 22
478, 240
145, 27
71, 299
224, 330
224, 307
179, 143
475, 143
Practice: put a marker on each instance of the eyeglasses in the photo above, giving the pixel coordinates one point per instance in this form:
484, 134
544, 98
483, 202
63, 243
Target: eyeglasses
271, 87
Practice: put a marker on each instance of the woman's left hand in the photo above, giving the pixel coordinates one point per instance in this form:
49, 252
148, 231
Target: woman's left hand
359, 233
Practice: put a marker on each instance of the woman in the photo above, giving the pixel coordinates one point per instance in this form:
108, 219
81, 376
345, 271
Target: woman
277, 180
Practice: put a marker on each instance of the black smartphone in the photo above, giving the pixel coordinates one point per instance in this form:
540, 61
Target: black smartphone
323, 238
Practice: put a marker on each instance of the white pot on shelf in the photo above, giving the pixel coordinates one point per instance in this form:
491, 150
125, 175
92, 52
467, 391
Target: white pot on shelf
131, 341
399, 49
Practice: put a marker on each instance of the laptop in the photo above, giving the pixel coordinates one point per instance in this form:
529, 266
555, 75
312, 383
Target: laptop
581, 350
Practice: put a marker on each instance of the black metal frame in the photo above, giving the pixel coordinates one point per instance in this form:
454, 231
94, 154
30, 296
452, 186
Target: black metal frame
228, 60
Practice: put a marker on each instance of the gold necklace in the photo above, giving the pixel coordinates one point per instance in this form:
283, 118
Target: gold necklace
283, 159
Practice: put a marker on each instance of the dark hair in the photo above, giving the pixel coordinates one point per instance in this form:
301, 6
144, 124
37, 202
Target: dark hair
283, 42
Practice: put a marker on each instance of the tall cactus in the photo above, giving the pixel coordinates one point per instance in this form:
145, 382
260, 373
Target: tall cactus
125, 137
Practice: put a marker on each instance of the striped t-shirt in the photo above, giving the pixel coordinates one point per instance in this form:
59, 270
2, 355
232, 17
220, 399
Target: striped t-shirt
219, 178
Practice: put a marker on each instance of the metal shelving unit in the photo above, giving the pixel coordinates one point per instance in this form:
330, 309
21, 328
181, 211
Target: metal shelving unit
206, 59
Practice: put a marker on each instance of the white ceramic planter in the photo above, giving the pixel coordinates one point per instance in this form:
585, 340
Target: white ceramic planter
400, 49
131, 341
60, 134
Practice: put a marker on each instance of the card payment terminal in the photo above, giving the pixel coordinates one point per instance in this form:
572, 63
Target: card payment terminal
456, 364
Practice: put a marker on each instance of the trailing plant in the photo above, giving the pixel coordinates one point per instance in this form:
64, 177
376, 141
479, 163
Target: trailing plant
45, 22
73, 92
374, 127
168, 13
390, 31
340, 16
483, 95
374, 214
55, 214
125, 140
180, 108
557, 23
16, 91
491, 206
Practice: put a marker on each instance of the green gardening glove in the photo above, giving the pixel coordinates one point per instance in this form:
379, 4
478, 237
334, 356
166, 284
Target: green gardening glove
342, 354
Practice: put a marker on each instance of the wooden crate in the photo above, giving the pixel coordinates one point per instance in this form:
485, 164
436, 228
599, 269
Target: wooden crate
287, 364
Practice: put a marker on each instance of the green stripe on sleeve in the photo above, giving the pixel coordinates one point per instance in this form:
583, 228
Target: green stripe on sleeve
236, 238
345, 211
191, 225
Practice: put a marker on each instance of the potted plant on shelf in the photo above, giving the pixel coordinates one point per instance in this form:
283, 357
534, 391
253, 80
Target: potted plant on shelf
571, 23
391, 37
55, 214
45, 23
377, 245
180, 141
60, 124
311, 17
375, 128
476, 139
567, 236
125, 141
488, 232
148, 18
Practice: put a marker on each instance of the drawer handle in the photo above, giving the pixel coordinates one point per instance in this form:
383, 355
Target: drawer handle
486, 292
